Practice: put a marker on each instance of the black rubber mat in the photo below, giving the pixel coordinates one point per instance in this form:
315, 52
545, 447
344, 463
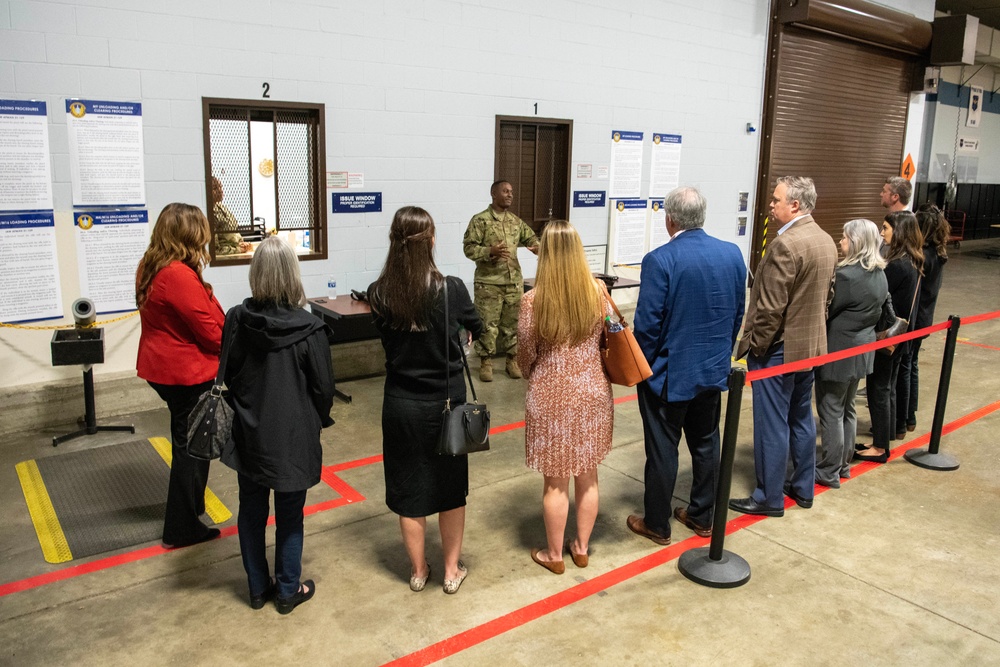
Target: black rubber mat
107, 498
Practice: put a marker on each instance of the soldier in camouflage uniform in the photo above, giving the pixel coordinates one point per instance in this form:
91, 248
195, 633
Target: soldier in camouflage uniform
228, 240
491, 241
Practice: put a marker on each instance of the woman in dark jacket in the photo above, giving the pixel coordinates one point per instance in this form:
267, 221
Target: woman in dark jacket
936, 231
179, 353
904, 260
858, 295
280, 382
407, 302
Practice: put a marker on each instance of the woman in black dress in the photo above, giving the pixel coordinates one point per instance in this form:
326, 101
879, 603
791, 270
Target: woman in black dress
407, 304
904, 261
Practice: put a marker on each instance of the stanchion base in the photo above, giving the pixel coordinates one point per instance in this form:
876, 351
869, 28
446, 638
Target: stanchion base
924, 459
729, 571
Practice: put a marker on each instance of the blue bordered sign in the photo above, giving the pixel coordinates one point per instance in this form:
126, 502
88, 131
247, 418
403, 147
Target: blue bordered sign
621, 135
589, 198
80, 108
357, 202
87, 219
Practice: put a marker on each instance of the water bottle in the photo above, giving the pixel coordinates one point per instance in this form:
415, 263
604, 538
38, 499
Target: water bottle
331, 287
305, 240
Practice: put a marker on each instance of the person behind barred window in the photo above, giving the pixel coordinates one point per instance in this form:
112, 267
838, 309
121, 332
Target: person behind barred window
858, 296
179, 352
904, 256
408, 306
491, 241
227, 237
280, 382
569, 413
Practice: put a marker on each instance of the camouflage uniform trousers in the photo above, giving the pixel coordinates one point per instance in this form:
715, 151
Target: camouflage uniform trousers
498, 306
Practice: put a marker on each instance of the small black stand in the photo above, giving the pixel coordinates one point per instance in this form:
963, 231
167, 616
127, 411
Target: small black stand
931, 458
713, 566
84, 346
91, 414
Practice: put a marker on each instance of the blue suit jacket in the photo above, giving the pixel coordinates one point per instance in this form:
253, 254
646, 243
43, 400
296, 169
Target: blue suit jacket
689, 313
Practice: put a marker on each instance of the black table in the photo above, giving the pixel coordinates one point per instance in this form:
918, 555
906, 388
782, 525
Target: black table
350, 320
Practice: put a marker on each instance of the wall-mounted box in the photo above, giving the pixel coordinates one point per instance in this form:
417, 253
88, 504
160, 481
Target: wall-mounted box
71, 347
954, 40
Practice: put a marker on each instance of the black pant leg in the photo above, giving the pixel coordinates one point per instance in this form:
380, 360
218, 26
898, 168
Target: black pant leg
661, 426
701, 430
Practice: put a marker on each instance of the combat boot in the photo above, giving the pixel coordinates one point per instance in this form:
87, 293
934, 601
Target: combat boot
513, 369
485, 369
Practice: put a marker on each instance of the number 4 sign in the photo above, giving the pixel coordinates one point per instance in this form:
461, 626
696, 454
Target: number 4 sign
908, 169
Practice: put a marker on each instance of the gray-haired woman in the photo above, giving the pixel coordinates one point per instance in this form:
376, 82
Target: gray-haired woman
281, 388
859, 292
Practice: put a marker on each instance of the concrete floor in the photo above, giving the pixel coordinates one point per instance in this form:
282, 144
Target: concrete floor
897, 567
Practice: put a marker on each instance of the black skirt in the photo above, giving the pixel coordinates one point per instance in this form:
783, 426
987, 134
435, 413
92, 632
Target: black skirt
418, 482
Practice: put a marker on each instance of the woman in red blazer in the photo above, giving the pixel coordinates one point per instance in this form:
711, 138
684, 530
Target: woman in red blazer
179, 352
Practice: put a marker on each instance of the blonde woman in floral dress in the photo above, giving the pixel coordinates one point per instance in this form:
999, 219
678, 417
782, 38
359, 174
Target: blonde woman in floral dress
569, 412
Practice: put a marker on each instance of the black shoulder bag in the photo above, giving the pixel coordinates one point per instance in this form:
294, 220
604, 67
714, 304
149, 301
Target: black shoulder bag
466, 428
210, 423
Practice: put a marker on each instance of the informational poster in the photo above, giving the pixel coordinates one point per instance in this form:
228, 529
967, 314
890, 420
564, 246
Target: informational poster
657, 224
336, 179
975, 107
968, 144
105, 153
109, 245
29, 268
628, 236
597, 257
25, 172
356, 179
626, 165
584, 170
665, 164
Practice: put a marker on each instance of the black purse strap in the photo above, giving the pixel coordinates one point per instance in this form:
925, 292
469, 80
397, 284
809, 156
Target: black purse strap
447, 354
227, 342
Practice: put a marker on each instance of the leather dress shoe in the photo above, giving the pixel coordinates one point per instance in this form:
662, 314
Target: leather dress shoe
681, 514
751, 506
638, 526
210, 535
306, 590
881, 458
804, 503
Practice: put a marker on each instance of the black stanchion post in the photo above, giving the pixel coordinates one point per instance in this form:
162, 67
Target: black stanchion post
931, 458
714, 566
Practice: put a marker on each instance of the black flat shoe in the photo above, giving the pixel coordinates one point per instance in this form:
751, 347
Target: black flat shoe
804, 503
258, 601
286, 605
210, 535
751, 506
881, 458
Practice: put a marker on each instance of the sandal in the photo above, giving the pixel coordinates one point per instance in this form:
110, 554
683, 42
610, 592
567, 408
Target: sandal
417, 584
451, 586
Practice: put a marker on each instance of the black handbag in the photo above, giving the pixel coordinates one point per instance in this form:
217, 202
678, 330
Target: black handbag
210, 423
465, 428
889, 324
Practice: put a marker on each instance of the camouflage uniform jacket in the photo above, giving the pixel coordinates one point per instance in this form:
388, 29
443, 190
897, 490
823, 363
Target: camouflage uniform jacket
488, 228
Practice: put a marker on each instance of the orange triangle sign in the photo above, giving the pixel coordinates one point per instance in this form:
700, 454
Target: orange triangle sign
909, 169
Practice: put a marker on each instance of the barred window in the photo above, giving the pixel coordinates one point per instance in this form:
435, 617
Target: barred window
265, 164
534, 155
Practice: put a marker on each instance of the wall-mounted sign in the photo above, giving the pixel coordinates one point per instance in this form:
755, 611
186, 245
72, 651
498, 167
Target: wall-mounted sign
968, 144
357, 202
587, 198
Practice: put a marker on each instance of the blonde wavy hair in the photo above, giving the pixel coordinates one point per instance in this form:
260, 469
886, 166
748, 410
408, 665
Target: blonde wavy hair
181, 234
567, 300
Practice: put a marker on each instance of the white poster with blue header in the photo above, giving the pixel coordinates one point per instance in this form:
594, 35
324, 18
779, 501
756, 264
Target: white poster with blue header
626, 165
665, 164
657, 224
105, 153
628, 231
109, 245
29, 267
25, 167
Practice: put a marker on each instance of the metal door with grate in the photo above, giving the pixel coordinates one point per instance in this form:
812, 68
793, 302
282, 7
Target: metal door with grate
534, 155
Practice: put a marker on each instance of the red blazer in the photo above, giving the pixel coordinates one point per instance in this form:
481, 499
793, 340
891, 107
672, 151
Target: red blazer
181, 329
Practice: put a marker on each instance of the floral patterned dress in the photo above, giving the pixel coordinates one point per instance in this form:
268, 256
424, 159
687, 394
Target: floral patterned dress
569, 411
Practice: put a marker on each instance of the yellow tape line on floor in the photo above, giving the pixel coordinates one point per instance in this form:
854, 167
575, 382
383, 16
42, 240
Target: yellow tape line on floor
218, 512
55, 548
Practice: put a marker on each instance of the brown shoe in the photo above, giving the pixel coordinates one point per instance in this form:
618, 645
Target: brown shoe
513, 370
554, 566
580, 560
681, 514
637, 525
485, 369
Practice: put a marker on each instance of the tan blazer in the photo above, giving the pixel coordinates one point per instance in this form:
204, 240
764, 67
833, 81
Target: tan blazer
791, 292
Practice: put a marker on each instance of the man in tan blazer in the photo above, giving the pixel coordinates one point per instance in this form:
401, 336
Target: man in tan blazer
786, 322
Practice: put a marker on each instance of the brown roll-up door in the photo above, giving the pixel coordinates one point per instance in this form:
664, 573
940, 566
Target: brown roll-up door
835, 111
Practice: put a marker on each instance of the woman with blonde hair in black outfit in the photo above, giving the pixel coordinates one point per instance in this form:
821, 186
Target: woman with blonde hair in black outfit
408, 306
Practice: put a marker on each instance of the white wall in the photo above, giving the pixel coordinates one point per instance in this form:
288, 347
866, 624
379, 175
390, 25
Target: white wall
411, 89
948, 117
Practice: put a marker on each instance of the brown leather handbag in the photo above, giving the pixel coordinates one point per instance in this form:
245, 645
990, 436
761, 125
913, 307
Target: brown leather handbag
624, 362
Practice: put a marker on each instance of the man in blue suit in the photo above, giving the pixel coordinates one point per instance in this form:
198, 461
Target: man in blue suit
686, 322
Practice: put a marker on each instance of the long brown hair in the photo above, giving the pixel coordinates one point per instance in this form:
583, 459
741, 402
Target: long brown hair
181, 234
405, 291
935, 228
567, 303
907, 241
